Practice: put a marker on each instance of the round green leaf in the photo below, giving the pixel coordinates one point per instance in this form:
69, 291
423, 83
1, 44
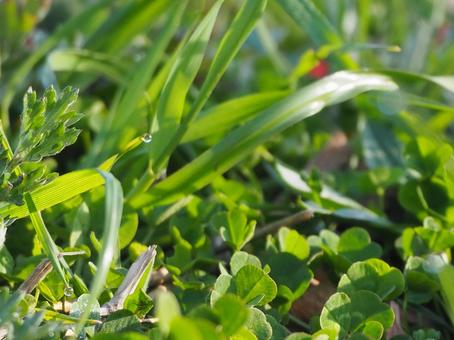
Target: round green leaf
252, 282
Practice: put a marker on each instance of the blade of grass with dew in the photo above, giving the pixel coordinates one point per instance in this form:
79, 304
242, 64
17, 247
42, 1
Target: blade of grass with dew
55, 192
112, 220
240, 142
47, 243
25, 67
66, 186
233, 39
109, 137
223, 117
90, 62
172, 100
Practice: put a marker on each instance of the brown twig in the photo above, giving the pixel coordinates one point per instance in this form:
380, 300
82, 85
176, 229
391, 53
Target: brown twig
301, 216
130, 282
40, 272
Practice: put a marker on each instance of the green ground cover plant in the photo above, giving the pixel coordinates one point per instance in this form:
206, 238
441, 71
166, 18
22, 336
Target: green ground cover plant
255, 169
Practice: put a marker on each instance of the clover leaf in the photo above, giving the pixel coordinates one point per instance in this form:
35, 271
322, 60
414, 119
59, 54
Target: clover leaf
356, 314
234, 228
373, 275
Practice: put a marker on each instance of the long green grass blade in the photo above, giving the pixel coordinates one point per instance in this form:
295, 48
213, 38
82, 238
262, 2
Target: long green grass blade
236, 145
317, 26
312, 21
173, 97
108, 139
93, 63
66, 186
45, 239
112, 220
445, 82
133, 18
234, 38
223, 117
59, 190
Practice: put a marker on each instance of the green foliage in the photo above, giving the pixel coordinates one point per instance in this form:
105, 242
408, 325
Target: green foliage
46, 128
243, 169
234, 228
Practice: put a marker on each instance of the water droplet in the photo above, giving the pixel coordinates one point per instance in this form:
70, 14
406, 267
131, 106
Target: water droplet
68, 291
146, 137
51, 334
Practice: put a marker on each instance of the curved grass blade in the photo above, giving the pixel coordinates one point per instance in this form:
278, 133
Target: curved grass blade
312, 21
112, 221
108, 139
126, 22
48, 244
59, 190
237, 144
85, 61
171, 103
229, 46
66, 186
445, 82
223, 117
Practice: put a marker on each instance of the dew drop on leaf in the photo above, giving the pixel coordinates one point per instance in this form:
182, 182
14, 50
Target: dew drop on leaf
68, 291
146, 137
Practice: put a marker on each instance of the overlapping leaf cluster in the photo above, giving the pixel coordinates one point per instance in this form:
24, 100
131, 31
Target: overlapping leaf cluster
46, 129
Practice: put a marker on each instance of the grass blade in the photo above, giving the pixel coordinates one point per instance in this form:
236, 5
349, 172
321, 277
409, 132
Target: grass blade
239, 30
223, 117
125, 23
85, 61
173, 97
445, 82
57, 191
312, 21
237, 144
111, 135
317, 26
48, 244
66, 186
112, 221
